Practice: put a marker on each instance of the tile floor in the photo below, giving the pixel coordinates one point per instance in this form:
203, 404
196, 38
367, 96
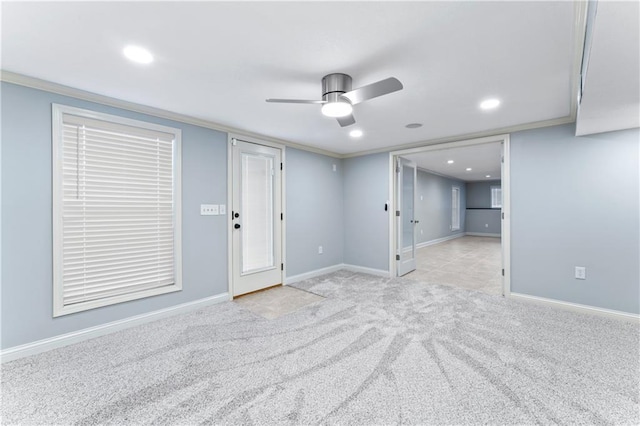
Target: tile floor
470, 262
275, 302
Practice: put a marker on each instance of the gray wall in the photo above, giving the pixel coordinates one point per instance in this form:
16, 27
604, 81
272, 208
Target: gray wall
366, 223
433, 207
481, 218
574, 202
27, 215
314, 211
479, 194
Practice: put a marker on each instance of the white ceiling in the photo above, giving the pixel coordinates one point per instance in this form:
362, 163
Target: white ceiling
220, 61
611, 93
483, 159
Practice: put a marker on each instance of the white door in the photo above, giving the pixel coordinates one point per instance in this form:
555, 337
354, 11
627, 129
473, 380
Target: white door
502, 223
256, 217
405, 216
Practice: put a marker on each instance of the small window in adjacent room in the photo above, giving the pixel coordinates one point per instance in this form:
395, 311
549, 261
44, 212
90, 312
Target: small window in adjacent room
455, 208
116, 210
496, 197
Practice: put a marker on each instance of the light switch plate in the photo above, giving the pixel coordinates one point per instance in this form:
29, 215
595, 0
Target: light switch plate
581, 273
208, 209
222, 209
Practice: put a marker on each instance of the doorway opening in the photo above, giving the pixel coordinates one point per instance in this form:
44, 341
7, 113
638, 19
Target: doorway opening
451, 216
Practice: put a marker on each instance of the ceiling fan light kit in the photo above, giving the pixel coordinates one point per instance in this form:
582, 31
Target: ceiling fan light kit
337, 109
338, 96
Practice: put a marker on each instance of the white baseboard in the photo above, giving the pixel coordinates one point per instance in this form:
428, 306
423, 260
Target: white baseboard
482, 234
364, 270
44, 345
585, 309
440, 240
313, 274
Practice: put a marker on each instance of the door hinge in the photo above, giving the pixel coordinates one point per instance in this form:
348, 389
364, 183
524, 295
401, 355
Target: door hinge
397, 212
281, 166
397, 257
502, 159
234, 141
503, 215
503, 272
281, 216
282, 266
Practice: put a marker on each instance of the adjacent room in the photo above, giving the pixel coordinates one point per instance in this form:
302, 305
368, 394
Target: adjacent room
306, 212
452, 226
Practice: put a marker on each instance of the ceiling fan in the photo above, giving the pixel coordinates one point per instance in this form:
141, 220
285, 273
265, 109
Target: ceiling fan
338, 98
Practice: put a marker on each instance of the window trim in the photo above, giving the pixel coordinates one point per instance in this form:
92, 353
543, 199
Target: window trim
455, 190
492, 187
58, 111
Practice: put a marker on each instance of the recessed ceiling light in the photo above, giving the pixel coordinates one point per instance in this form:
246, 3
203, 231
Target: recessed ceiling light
138, 54
468, 169
355, 133
450, 162
413, 125
488, 176
337, 109
489, 104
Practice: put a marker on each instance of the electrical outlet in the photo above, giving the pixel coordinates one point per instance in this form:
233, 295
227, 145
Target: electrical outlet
335, 168
320, 250
581, 273
486, 225
208, 210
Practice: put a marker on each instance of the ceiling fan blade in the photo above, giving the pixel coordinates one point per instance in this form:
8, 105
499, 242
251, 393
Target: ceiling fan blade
295, 101
373, 90
347, 120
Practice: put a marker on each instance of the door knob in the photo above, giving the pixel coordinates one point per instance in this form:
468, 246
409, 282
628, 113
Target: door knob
416, 221
237, 226
236, 215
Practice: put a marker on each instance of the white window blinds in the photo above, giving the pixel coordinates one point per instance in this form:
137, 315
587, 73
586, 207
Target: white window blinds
496, 197
117, 204
455, 208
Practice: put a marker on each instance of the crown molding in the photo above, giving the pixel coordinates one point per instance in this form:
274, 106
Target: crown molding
465, 136
48, 86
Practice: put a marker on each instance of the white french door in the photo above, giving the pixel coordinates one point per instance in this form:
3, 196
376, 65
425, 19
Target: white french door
406, 177
256, 217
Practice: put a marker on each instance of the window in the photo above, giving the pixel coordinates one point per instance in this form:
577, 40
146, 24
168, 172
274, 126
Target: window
455, 208
496, 197
116, 210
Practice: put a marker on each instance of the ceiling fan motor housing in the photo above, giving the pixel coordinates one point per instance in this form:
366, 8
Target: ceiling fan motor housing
334, 85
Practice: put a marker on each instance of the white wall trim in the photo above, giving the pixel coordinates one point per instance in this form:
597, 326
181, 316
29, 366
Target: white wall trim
62, 340
48, 86
440, 240
365, 270
575, 307
487, 134
313, 274
483, 234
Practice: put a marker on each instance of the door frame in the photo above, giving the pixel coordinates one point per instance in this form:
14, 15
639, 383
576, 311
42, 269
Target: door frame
399, 166
506, 198
283, 198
